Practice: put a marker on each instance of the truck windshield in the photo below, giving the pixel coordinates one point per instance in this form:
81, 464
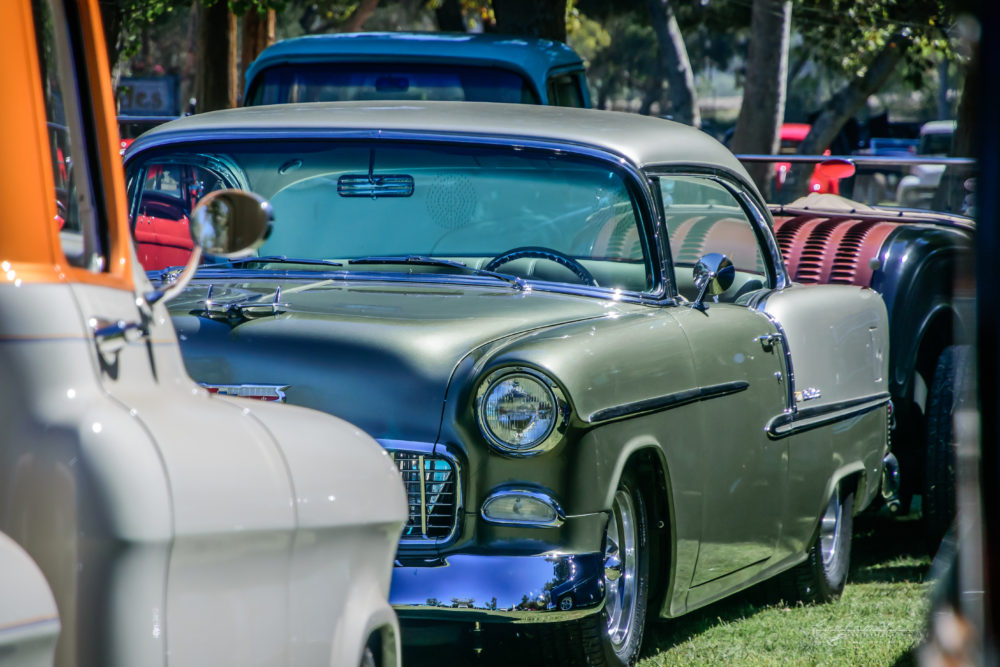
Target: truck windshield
340, 82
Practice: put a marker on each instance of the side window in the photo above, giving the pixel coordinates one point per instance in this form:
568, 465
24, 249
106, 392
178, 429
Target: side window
703, 217
76, 217
564, 90
164, 194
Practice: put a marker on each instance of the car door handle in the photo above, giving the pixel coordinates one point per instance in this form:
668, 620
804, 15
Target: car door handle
768, 341
113, 335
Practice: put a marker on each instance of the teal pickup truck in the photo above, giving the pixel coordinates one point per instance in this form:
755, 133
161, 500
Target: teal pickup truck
417, 66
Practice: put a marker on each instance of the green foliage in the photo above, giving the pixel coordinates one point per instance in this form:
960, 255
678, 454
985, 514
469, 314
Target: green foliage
873, 24
124, 21
584, 34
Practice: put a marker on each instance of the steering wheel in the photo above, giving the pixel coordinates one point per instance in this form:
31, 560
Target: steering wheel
578, 269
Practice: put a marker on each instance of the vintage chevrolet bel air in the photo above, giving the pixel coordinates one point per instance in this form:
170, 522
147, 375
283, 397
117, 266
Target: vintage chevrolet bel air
573, 331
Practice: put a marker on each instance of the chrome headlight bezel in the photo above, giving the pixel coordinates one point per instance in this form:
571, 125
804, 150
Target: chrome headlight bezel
560, 412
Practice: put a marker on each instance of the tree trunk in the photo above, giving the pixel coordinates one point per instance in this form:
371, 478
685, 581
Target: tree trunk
951, 193
674, 63
653, 92
315, 22
357, 20
449, 16
217, 55
763, 107
840, 108
112, 21
258, 34
531, 18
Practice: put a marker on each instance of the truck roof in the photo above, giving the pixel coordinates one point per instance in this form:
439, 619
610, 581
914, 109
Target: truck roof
533, 57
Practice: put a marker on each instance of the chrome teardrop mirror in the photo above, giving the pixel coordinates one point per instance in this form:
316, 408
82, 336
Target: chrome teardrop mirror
225, 223
231, 223
713, 274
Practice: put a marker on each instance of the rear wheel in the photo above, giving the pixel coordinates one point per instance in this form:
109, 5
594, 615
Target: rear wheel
822, 576
614, 636
950, 377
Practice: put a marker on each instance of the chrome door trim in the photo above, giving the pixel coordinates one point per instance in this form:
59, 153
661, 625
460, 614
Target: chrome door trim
660, 403
805, 419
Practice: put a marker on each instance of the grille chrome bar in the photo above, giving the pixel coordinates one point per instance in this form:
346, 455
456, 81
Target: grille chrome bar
433, 492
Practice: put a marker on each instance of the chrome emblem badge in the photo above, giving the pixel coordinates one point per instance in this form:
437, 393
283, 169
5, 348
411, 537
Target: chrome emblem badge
808, 394
261, 392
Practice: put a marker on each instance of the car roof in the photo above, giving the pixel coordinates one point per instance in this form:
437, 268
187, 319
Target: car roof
643, 140
534, 57
938, 127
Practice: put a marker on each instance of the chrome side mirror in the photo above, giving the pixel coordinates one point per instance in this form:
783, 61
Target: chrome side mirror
230, 223
225, 223
713, 274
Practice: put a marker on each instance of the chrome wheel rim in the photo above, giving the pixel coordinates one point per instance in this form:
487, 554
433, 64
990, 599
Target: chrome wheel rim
621, 593
829, 531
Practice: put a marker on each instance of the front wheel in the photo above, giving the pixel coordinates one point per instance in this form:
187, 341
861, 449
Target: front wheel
614, 636
822, 576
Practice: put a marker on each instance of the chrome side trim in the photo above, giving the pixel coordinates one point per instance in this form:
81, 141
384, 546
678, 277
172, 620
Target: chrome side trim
805, 419
660, 403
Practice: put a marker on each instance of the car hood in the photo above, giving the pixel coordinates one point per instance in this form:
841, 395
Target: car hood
378, 354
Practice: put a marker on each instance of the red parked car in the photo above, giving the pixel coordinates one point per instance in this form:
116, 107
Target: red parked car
793, 134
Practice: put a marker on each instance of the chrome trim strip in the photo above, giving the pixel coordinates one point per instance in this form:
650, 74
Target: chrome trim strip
605, 293
864, 160
790, 403
805, 419
674, 400
541, 496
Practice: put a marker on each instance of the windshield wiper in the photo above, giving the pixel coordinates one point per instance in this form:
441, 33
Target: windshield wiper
270, 259
424, 260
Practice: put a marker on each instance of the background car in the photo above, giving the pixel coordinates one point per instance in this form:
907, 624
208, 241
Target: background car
149, 521
417, 66
917, 261
916, 189
791, 135
574, 333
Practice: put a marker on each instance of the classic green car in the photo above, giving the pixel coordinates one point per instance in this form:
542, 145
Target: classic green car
573, 331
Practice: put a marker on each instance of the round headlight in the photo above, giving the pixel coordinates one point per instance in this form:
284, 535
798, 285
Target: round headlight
518, 410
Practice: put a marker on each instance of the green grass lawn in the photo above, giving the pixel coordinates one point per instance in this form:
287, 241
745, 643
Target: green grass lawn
878, 621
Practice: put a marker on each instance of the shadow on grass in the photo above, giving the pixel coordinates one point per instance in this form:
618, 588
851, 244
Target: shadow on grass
886, 549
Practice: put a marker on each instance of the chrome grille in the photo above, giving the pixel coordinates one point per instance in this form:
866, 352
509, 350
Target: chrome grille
433, 493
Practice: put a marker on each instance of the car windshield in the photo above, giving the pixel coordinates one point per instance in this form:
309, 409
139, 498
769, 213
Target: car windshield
542, 216
343, 82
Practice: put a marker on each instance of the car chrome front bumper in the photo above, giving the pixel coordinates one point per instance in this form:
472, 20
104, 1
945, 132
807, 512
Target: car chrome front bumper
517, 589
